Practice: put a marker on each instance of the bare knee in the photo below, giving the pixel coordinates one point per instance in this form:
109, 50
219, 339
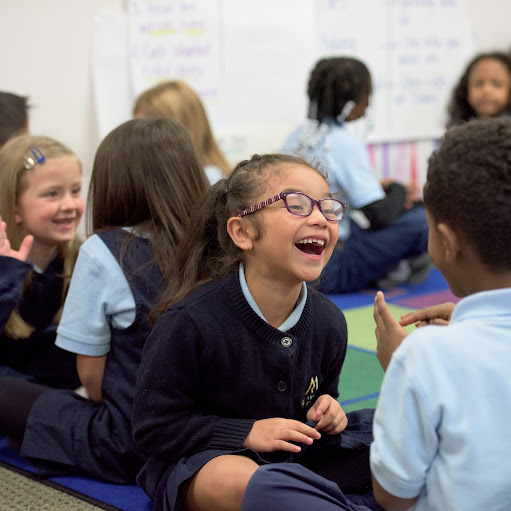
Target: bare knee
219, 485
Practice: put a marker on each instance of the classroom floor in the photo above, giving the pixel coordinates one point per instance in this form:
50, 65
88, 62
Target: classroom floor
359, 388
362, 375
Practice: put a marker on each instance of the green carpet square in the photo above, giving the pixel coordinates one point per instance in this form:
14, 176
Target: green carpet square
361, 325
362, 403
361, 375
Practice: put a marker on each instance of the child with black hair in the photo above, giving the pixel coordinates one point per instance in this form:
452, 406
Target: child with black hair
441, 427
483, 90
13, 116
242, 365
145, 176
395, 234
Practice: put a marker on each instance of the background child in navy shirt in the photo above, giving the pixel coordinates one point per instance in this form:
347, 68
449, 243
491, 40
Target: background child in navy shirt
145, 176
40, 208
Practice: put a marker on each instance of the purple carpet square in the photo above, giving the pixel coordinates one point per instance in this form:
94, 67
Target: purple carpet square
426, 300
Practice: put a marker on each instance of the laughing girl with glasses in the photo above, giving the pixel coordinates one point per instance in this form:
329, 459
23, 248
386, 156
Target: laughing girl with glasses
242, 365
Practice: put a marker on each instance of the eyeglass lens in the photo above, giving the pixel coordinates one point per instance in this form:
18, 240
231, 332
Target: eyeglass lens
301, 205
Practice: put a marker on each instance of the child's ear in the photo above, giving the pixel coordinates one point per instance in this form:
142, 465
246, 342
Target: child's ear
450, 242
240, 232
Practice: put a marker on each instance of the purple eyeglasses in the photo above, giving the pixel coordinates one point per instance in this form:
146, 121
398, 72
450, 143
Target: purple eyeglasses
297, 203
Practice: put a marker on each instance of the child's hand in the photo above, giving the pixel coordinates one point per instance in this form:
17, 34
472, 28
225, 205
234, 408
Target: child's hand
389, 333
434, 315
5, 245
412, 195
386, 182
328, 414
268, 435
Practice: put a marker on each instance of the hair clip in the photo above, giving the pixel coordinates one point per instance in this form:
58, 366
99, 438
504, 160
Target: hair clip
37, 157
346, 111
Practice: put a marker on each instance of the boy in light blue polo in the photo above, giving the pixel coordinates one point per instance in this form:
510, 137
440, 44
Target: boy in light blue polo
441, 427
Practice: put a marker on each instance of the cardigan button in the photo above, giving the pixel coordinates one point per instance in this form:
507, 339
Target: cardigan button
286, 342
282, 386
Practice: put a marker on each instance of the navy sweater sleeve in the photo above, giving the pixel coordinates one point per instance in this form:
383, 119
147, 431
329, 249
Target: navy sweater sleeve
12, 277
383, 212
168, 421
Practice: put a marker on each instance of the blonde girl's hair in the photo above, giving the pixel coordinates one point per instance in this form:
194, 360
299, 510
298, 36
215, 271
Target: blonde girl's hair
13, 158
177, 101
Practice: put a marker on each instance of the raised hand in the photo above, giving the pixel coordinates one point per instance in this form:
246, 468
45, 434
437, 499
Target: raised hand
275, 434
5, 245
412, 195
328, 414
389, 333
434, 315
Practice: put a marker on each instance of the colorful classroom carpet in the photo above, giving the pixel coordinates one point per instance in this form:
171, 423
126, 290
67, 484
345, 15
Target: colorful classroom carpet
359, 388
362, 375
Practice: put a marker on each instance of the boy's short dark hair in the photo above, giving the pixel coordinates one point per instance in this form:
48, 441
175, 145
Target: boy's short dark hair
13, 115
469, 187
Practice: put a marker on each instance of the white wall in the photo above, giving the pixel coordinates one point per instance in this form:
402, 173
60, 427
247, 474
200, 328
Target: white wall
46, 49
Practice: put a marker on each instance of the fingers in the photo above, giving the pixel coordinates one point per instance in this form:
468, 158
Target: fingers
317, 410
5, 246
436, 314
328, 414
273, 434
382, 315
434, 321
389, 333
334, 422
3, 236
298, 433
25, 247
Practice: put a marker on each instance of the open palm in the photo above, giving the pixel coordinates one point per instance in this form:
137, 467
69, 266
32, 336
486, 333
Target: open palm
5, 245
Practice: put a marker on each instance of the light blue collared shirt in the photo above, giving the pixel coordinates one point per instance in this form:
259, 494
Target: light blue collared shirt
293, 318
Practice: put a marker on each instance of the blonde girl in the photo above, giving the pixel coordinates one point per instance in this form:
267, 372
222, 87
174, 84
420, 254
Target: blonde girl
145, 178
40, 208
176, 100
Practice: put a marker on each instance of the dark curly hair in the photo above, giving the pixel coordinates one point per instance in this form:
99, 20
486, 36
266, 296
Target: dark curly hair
13, 115
334, 81
459, 110
469, 187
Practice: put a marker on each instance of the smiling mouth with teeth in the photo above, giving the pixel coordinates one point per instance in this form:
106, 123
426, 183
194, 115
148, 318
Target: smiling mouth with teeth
311, 246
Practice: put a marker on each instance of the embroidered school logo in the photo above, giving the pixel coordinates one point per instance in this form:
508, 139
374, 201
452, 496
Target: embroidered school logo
310, 394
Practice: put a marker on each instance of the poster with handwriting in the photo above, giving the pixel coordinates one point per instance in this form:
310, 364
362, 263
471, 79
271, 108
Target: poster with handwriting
249, 60
415, 50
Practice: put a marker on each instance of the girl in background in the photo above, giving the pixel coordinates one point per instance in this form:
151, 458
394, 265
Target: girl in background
176, 100
40, 208
145, 177
393, 236
484, 89
243, 353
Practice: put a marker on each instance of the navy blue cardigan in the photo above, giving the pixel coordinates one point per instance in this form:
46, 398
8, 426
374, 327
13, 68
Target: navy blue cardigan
211, 367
